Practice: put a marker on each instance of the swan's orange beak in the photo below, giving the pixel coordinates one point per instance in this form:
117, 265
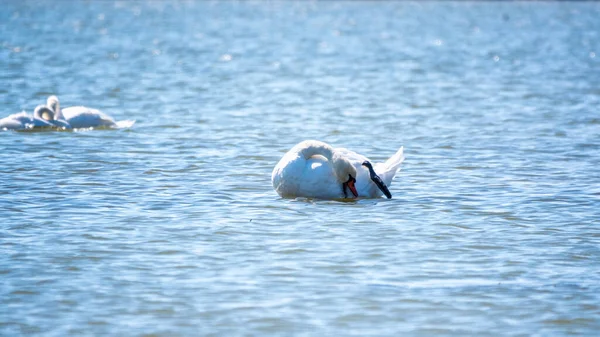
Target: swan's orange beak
350, 185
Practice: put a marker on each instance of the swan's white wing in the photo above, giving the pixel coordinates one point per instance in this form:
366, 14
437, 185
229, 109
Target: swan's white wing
82, 117
18, 115
10, 123
15, 121
318, 180
22, 121
352, 156
282, 177
295, 176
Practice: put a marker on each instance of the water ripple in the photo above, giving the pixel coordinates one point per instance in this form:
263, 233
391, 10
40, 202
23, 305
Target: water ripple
172, 227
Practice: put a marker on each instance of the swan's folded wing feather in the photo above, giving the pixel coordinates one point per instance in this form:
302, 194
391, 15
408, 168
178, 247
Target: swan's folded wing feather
355, 158
83, 117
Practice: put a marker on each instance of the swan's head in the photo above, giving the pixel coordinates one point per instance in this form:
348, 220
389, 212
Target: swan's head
350, 184
43, 112
345, 173
368, 165
53, 103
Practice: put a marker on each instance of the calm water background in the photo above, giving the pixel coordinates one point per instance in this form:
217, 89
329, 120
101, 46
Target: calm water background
172, 227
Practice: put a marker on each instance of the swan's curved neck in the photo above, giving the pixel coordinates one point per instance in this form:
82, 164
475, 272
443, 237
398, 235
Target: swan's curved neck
54, 104
59, 114
42, 112
342, 168
313, 148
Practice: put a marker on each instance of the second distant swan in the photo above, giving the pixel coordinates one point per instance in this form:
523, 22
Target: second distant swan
43, 117
80, 116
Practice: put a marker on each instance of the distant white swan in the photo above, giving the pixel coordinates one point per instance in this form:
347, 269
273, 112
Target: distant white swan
80, 117
314, 169
43, 117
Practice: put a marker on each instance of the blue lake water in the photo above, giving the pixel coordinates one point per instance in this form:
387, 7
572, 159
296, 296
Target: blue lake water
172, 227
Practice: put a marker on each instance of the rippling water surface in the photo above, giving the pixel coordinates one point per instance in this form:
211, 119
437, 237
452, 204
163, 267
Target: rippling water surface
172, 227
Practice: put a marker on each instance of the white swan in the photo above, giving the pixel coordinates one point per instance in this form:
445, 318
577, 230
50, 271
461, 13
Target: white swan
79, 117
43, 117
315, 169
57, 116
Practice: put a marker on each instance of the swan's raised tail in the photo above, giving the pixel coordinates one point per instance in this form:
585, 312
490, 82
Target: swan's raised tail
387, 170
125, 124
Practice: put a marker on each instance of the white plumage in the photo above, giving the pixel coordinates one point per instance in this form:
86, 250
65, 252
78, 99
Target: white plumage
315, 169
42, 117
80, 117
